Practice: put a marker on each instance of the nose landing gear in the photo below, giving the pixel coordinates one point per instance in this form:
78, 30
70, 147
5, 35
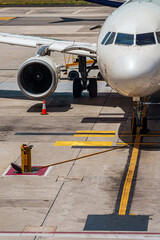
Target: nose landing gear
139, 120
80, 84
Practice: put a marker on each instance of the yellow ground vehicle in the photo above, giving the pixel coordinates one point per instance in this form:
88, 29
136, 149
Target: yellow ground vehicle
72, 67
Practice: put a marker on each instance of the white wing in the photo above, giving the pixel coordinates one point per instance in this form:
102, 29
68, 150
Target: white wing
77, 48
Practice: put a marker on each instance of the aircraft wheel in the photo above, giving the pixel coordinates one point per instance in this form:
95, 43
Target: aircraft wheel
92, 87
77, 88
73, 74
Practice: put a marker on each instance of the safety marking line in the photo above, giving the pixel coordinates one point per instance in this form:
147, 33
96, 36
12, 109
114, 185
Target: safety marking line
129, 177
29, 12
75, 13
82, 143
48, 170
4, 174
6, 18
10, 172
95, 131
85, 235
93, 135
131, 170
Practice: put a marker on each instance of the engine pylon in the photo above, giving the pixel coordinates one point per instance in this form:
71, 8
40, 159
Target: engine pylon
44, 110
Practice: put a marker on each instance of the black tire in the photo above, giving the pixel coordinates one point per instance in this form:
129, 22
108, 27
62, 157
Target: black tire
77, 88
92, 87
73, 75
134, 127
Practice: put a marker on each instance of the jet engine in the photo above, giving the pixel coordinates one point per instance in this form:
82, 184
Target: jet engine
38, 77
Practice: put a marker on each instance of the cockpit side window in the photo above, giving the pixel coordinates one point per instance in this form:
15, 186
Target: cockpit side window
105, 38
158, 36
110, 40
145, 39
124, 39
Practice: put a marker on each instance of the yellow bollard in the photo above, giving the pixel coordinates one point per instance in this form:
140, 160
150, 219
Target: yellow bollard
26, 158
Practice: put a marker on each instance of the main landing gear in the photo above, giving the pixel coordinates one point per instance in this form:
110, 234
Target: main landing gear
81, 84
139, 119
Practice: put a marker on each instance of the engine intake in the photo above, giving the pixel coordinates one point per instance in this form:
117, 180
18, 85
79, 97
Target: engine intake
38, 77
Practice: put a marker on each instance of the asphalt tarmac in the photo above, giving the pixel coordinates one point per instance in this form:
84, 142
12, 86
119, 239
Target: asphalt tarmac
114, 195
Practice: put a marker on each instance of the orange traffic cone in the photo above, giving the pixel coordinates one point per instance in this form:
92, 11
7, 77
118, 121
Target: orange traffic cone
44, 111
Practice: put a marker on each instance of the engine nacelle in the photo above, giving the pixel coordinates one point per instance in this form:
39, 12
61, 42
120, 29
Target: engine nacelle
38, 77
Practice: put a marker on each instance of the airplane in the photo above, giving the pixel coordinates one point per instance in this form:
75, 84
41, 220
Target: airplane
127, 53
108, 3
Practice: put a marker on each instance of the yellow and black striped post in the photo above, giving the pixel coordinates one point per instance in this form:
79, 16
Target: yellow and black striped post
26, 158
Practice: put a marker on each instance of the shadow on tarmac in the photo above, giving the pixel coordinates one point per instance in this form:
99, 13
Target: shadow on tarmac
64, 102
69, 20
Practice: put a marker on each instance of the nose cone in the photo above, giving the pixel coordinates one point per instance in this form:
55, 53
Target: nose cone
131, 74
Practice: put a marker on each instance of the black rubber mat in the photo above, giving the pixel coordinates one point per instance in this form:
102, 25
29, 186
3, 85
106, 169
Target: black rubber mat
115, 222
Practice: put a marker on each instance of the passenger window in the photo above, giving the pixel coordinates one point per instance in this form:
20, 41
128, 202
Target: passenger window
110, 40
145, 39
105, 38
124, 39
158, 36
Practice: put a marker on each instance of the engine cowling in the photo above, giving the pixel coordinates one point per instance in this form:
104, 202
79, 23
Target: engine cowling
38, 77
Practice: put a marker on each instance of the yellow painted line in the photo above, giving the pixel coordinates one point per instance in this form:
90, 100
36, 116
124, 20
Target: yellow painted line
93, 135
131, 170
121, 143
139, 143
130, 174
113, 132
82, 143
6, 18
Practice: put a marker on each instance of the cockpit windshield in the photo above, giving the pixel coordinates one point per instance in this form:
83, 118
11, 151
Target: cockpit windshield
145, 39
124, 39
127, 39
105, 38
158, 36
110, 40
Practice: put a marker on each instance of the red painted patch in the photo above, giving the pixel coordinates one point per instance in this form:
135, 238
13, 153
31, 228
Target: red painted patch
40, 172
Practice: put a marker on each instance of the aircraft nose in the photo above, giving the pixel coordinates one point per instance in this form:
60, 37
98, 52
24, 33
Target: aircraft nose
131, 67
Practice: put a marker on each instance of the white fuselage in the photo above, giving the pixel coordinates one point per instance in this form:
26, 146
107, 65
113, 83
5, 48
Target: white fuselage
131, 62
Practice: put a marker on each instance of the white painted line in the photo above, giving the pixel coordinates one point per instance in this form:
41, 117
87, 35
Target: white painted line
6, 171
48, 170
86, 235
79, 11
4, 174
37, 234
10, 234
31, 11
109, 236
